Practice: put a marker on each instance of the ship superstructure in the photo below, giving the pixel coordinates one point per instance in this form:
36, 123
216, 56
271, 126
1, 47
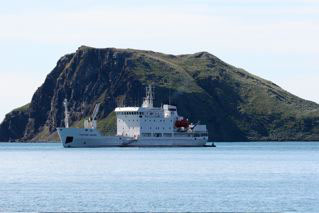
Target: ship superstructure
138, 126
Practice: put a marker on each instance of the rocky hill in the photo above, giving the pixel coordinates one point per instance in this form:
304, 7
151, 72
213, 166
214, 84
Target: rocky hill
236, 105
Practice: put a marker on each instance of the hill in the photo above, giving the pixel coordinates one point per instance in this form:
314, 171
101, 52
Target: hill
236, 105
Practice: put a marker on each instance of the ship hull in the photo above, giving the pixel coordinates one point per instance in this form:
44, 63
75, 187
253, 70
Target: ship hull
80, 137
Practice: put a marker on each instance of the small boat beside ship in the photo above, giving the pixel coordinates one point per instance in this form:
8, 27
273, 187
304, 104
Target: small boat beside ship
144, 126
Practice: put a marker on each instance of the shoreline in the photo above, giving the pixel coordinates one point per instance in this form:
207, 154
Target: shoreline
53, 142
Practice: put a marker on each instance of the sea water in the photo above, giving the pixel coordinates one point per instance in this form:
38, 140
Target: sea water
233, 177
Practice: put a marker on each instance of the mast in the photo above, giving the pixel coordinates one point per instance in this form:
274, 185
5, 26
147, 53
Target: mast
148, 100
66, 113
169, 96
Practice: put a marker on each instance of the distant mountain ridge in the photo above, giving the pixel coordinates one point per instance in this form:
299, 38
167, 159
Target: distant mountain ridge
235, 105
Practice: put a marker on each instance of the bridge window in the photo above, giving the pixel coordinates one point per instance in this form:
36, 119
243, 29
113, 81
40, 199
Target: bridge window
147, 134
157, 134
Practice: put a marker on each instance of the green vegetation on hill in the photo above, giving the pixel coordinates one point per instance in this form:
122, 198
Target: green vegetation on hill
24, 108
108, 125
236, 105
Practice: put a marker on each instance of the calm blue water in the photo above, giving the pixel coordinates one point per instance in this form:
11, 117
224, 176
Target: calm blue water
263, 177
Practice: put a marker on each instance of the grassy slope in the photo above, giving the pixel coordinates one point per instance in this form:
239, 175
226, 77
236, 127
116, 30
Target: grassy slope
235, 104
24, 108
264, 110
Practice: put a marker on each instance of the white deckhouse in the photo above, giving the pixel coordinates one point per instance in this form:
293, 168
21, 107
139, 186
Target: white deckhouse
150, 121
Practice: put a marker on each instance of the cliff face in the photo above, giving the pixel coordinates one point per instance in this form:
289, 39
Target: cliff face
236, 105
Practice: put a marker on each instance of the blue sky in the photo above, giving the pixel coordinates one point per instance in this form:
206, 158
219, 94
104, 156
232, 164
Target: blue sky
277, 40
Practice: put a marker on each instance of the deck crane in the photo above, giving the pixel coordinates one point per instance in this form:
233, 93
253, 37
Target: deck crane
91, 122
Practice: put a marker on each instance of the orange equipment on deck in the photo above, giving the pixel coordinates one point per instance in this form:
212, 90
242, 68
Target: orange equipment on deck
182, 123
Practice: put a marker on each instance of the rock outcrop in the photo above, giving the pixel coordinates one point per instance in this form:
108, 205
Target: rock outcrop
236, 105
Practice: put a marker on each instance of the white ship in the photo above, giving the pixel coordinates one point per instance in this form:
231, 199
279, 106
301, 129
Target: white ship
145, 126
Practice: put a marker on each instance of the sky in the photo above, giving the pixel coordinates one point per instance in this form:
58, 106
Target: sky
275, 39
